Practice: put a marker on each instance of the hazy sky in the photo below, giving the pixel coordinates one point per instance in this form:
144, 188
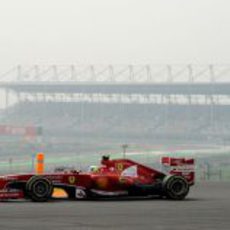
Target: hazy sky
113, 31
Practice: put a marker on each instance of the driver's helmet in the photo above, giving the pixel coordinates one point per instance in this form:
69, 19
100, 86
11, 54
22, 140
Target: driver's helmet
93, 168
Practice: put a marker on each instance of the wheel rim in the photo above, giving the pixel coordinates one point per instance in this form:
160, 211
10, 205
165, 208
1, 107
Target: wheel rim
178, 187
41, 188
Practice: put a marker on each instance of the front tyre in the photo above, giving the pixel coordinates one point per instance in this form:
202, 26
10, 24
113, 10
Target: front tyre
39, 189
175, 187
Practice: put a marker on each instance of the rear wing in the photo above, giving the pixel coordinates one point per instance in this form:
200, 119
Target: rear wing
180, 166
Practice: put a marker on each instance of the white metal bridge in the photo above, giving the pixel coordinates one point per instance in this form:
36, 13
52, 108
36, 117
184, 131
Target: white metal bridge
118, 73
150, 84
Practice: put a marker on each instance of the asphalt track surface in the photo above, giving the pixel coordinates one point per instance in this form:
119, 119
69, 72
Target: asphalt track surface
207, 207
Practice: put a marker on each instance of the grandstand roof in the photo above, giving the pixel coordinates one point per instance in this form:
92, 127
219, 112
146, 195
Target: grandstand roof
120, 79
121, 88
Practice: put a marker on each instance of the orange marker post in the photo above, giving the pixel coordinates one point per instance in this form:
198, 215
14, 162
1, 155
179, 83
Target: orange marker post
40, 163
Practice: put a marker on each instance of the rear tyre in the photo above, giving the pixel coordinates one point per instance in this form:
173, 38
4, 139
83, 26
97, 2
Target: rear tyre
175, 187
39, 189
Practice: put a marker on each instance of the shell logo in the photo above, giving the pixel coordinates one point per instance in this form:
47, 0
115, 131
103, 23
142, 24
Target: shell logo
102, 182
122, 180
72, 179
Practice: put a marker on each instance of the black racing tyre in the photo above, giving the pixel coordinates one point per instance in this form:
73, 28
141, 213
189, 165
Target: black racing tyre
175, 187
39, 189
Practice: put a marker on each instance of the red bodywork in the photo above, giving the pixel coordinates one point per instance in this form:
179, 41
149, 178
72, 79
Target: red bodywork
113, 177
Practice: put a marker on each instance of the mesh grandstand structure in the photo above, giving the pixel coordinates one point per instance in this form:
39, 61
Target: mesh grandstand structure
88, 108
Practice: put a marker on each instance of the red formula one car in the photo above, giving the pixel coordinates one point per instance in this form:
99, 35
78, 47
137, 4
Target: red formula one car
119, 177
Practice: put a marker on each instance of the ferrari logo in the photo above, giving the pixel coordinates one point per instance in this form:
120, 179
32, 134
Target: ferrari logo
72, 179
119, 166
